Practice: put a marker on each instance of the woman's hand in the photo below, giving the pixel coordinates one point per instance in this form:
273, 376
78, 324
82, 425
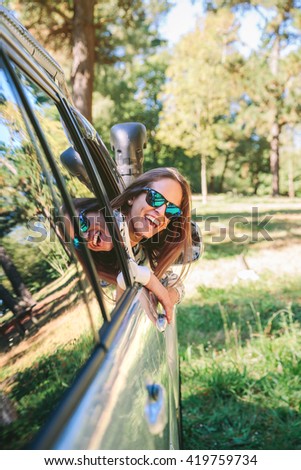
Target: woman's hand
173, 294
163, 295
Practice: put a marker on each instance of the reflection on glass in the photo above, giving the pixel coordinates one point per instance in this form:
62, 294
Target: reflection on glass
55, 132
46, 303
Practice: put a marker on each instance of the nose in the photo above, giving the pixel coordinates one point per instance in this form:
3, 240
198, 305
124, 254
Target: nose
161, 210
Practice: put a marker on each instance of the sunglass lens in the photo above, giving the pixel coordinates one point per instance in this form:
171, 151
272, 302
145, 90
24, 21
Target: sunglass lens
157, 199
84, 223
172, 211
154, 199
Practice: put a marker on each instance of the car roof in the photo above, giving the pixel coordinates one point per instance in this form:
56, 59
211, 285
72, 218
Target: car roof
19, 39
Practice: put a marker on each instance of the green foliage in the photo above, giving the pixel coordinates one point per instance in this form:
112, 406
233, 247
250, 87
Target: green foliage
218, 105
121, 27
211, 101
197, 95
132, 94
271, 76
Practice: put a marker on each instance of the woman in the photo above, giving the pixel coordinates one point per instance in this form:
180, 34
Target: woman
156, 208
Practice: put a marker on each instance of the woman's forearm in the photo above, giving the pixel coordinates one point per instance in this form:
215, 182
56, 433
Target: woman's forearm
162, 294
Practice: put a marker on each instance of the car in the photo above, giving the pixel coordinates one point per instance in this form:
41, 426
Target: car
78, 370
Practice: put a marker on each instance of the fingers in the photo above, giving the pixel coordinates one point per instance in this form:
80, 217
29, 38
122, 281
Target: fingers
168, 312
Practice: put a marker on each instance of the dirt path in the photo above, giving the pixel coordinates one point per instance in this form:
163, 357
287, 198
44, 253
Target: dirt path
282, 260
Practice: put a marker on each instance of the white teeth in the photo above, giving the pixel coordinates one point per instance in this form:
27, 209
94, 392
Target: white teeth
95, 238
153, 220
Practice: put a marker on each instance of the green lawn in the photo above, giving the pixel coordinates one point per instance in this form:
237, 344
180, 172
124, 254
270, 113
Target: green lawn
240, 340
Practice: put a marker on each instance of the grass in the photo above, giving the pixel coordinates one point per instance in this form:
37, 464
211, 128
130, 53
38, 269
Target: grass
240, 342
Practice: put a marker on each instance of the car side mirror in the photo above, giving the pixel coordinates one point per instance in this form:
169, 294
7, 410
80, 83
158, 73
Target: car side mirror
128, 140
73, 163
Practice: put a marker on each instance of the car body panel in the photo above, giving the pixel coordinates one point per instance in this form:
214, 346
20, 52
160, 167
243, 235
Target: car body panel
115, 403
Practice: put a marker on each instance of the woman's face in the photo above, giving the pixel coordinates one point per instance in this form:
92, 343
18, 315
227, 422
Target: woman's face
145, 221
97, 236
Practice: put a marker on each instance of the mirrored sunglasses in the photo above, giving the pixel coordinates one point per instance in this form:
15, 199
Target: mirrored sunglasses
155, 199
84, 223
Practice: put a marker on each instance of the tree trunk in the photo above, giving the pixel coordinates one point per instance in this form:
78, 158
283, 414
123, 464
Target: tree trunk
15, 278
221, 184
83, 51
8, 300
291, 186
275, 129
274, 157
204, 179
256, 184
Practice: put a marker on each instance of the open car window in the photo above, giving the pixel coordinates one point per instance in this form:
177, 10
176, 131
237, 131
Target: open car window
106, 263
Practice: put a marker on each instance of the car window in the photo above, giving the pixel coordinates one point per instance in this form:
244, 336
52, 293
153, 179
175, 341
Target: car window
49, 315
58, 141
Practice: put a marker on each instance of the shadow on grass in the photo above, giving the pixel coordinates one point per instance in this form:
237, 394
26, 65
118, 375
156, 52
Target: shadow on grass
284, 225
216, 250
224, 250
58, 302
216, 418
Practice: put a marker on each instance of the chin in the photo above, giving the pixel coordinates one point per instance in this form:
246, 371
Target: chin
148, 235
94, 248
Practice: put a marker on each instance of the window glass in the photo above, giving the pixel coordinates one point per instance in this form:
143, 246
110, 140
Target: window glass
54, 129
47, 306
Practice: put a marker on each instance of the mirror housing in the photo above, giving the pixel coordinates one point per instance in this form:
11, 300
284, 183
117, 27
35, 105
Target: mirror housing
128, 140
73, 163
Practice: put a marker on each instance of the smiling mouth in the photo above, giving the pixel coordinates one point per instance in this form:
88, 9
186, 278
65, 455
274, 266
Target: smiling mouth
96, 240
153, 221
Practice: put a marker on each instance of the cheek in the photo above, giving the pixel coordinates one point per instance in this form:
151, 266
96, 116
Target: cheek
163, 226
138, 208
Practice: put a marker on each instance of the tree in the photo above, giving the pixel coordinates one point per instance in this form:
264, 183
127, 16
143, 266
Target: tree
273, 73
95, 32
131, 93
15, 279
199, 92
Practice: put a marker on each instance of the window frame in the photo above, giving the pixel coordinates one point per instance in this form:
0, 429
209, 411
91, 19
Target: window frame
97, 183
74, 132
